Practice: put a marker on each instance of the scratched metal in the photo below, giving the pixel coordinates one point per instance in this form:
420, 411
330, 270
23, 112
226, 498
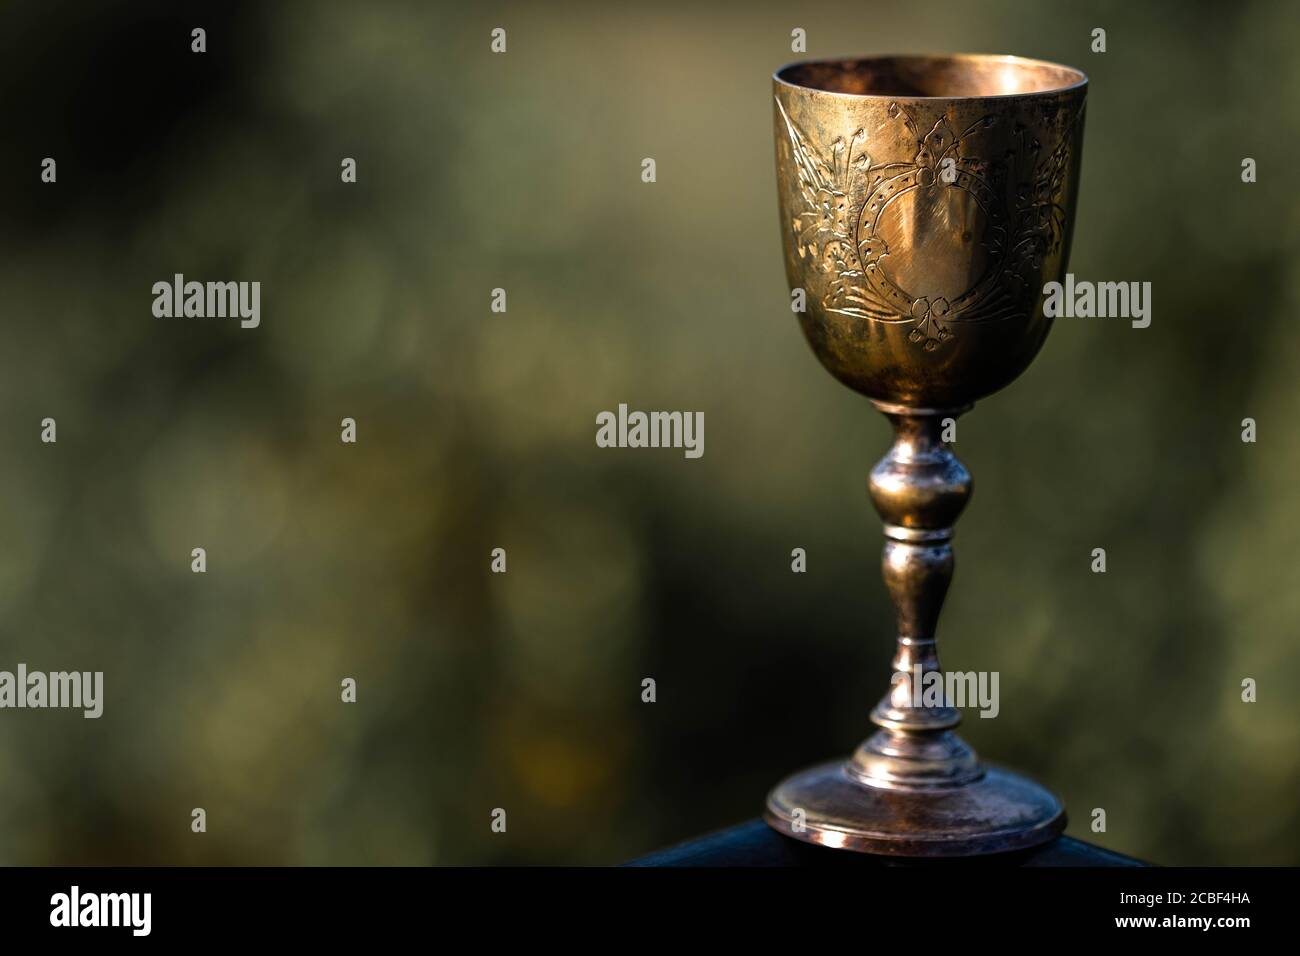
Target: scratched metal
925, 202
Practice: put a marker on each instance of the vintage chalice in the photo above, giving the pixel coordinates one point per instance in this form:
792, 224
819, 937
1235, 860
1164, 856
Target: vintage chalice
925, 201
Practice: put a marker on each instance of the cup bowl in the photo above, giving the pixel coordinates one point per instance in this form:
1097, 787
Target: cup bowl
925, 201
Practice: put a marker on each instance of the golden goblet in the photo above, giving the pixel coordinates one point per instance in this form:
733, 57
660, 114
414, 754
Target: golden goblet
925, 201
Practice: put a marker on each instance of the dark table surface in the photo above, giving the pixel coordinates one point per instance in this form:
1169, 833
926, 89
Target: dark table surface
754, 843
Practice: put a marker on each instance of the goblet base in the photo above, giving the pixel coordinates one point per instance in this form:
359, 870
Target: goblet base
997, 813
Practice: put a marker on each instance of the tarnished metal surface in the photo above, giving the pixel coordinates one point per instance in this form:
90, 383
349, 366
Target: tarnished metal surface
923, 227
925, 201
996, 814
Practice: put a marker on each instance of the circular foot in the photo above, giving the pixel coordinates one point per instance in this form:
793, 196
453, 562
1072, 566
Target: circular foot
997, 813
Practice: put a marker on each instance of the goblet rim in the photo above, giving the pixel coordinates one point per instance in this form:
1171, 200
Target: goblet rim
1079, 81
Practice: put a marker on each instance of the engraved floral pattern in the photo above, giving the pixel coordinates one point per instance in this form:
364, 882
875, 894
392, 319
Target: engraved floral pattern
845, 196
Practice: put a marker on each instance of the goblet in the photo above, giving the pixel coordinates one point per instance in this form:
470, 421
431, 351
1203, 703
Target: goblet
925, 201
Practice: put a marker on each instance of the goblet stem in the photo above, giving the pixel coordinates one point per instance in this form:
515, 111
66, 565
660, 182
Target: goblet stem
919, 488
914, 788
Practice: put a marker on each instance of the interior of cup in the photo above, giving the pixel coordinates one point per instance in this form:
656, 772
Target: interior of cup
962, 75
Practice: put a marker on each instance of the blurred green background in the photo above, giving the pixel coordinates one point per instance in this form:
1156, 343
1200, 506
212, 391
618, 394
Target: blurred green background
476, 431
